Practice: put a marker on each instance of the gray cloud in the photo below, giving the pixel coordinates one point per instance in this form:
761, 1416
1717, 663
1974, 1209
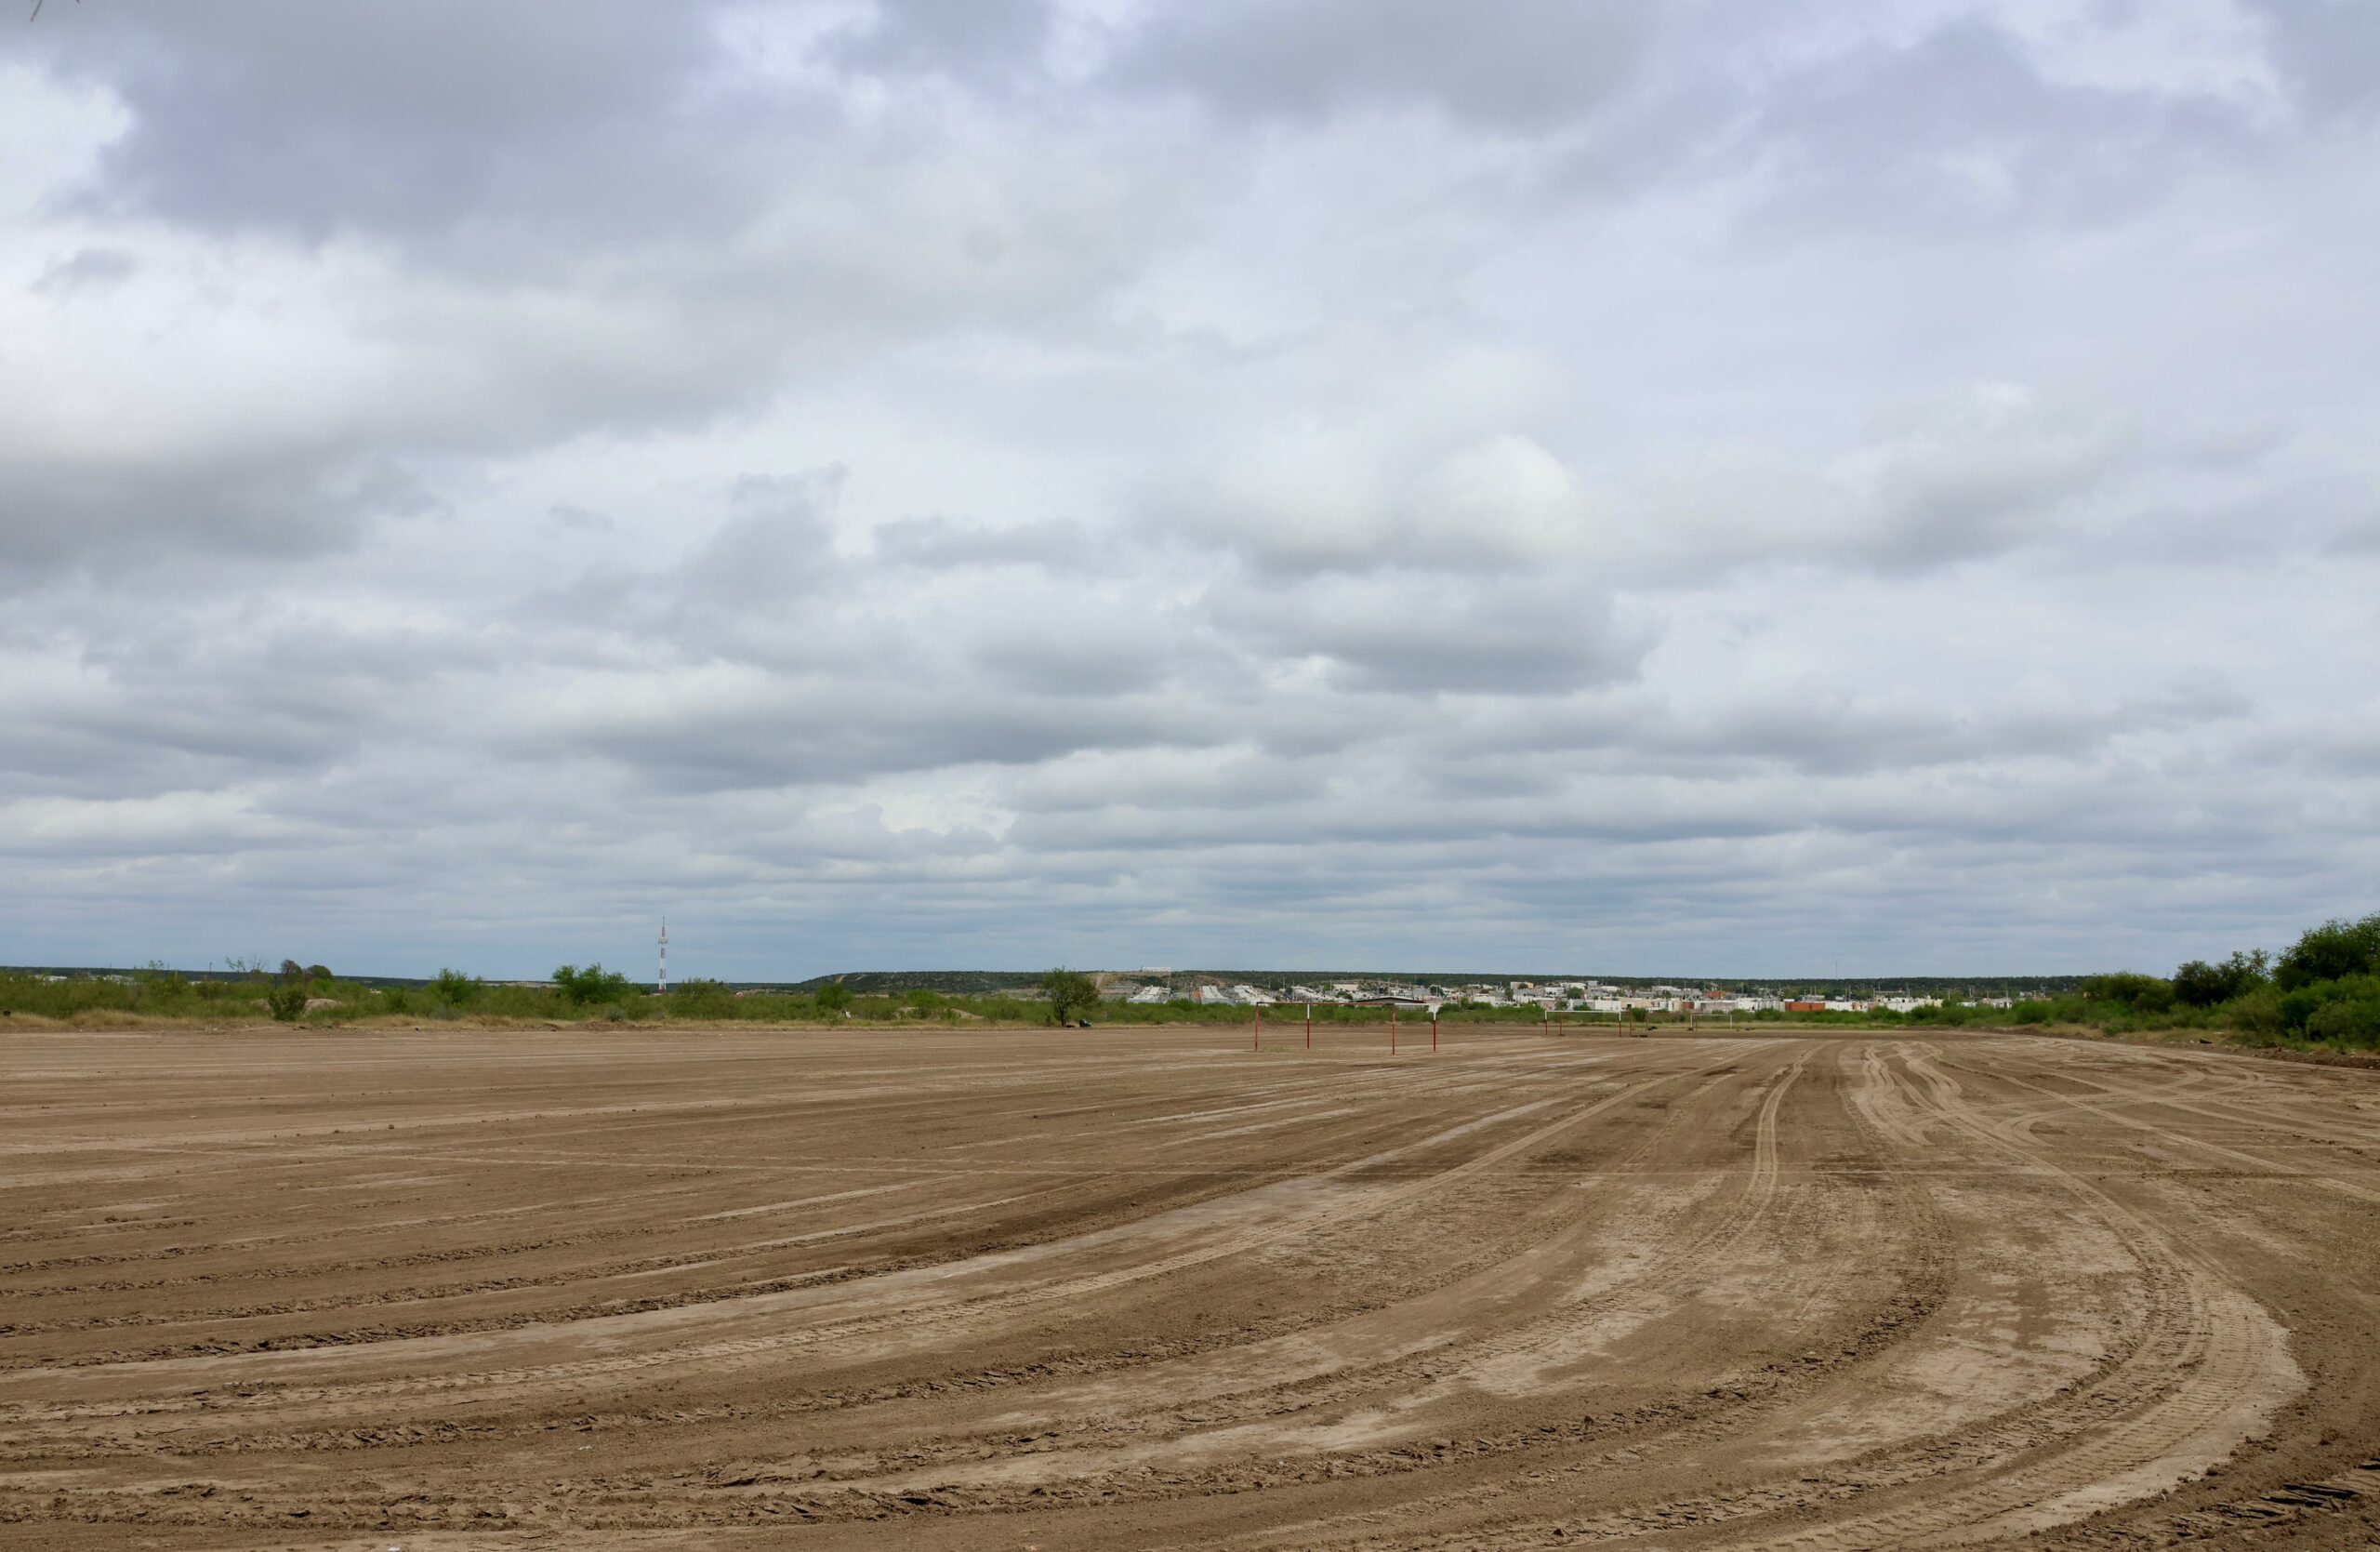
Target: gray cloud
95, 267
1641, 488
1403, 636
945, 543
2329, 50
972, 39
121, 515
278, 113
1962, 129
1537, 66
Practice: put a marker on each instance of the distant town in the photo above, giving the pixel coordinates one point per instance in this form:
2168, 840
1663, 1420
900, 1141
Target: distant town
1159, 986
1156, 985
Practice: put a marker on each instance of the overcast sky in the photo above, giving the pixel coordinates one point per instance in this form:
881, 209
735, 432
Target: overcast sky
1640, 487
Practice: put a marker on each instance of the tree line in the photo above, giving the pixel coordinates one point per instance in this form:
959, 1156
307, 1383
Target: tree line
2324, 988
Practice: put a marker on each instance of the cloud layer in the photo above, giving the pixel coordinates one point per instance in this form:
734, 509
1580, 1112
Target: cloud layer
1627, 487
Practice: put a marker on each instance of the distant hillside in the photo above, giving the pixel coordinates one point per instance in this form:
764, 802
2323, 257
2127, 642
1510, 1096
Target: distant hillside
949, 982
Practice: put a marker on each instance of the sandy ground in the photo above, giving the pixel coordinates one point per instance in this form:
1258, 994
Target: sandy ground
1149, 1288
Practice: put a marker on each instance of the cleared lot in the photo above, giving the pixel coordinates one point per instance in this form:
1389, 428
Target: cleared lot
1094, 1290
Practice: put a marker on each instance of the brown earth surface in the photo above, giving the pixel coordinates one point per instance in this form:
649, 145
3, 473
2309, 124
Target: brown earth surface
1149, 1288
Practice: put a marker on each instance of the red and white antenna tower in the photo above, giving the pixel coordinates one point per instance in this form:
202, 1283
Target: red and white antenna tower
663, 984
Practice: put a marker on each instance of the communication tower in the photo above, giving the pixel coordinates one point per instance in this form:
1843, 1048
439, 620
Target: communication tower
663, 984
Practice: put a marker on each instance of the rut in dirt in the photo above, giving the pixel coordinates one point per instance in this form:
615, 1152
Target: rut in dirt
877, 1289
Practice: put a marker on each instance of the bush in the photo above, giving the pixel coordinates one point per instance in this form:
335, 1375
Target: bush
833, 997
2347, 1022
2127, 989
2256, 1012
2345, 1011
703, 999
2334, 949
285, 1001
592, 984
454, 989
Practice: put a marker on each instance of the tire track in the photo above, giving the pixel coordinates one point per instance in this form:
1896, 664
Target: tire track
1517, 1331
573, 1375
2210, 1370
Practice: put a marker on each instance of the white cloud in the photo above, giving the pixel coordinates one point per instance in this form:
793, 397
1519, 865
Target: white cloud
1654, 491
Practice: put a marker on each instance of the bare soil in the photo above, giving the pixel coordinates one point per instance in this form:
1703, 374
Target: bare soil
1150, 1289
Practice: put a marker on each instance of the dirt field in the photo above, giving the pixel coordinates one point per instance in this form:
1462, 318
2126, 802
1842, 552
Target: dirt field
1151, 1290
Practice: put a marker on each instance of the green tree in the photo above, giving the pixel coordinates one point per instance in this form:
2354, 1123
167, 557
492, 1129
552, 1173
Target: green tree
454, 989
2327, 953
2200, 985
1071, 993
2140, 993
834, 998
592, 984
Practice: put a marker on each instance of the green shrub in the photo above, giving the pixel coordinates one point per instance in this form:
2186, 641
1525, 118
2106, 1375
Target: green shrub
2346, 1021
703, 999
2128, 990
454, 989
592, 984
2345, 1011
2256, 1012
2331, 952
